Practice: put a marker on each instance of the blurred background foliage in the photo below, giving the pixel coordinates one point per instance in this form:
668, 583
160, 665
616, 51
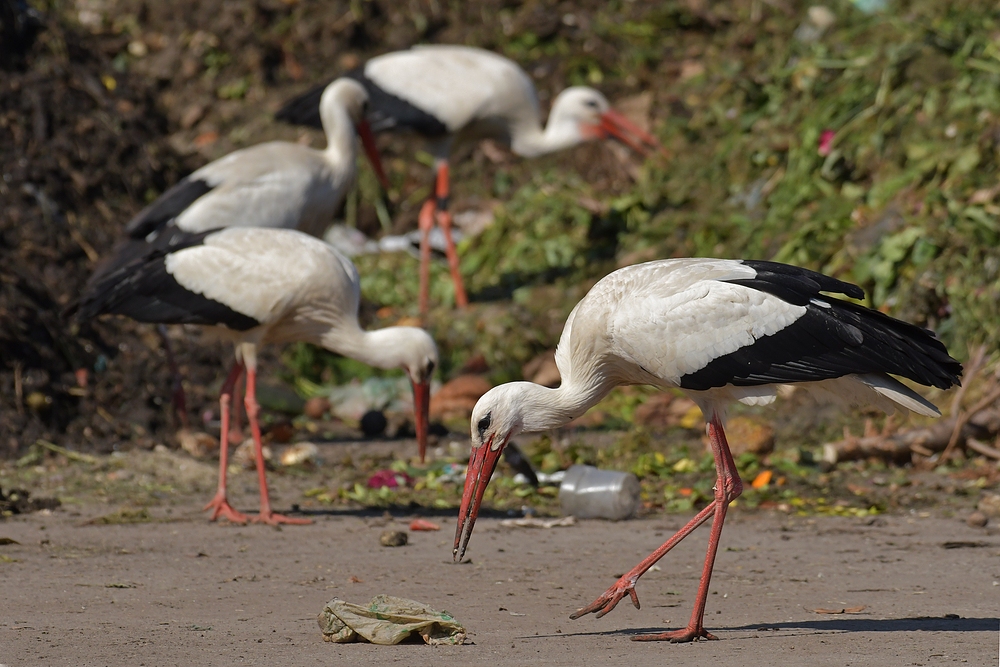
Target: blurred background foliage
859, 144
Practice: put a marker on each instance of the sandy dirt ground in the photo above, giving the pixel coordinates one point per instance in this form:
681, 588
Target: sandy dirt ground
181, 591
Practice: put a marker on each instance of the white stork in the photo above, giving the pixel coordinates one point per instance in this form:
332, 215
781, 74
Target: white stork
274, 184
456, 94
721, 331
256, 286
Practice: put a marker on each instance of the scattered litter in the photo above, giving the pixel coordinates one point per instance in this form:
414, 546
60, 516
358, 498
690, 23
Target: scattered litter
761, 480
533, 522
300, 453
393, 538
389, 478
198, 444
842, 610
18, 501
965, 545
387, 620
587, 492
122, 516
245, 458
8, 540
423, 524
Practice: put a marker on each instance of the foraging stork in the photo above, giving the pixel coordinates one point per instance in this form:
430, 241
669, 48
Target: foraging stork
721, 331
256, 286
274, 184
456, 94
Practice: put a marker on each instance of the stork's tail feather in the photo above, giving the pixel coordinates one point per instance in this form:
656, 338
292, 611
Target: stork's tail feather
899, 394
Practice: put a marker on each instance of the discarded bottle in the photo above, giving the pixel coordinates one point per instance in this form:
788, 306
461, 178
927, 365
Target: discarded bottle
587, 492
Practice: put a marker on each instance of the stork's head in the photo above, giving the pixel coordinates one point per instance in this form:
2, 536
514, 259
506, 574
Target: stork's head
585, 113
497, 417
350, 96
418, 356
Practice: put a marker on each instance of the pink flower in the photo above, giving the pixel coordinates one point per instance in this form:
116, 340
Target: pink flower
826, 142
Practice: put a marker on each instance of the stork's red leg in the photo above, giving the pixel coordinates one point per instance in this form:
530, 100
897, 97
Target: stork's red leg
626, 584
727, 488
442, 191
177, 399
236, 428
426, 222
219, 504
266, 515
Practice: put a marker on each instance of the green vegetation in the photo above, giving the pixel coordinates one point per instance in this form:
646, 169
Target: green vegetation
902, 202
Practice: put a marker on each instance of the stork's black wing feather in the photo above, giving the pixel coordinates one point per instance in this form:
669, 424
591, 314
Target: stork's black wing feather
144, 290
386, 112
832, 339
167, 206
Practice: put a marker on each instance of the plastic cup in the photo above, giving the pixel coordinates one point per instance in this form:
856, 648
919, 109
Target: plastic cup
587, 492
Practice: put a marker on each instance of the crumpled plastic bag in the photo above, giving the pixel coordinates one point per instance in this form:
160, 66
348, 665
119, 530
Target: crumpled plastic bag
387, 620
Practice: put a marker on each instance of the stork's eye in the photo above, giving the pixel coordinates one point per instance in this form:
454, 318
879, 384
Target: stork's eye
484, 424
591, 103
430, 368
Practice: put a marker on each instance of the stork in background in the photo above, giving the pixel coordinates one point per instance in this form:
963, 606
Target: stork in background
274, 184
256, 286
721, 331
455, 94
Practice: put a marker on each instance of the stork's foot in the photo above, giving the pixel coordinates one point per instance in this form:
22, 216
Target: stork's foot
687, 634
221, 507
610, 598
272, 519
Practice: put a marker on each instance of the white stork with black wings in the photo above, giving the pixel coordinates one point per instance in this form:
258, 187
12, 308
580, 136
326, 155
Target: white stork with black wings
257, 286
721, 331
456, 94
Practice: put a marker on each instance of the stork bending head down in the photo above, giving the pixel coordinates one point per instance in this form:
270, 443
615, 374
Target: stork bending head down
721, 331
256, 286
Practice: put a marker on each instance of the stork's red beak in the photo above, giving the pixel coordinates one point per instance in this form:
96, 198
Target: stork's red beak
481, 466
618, 126
368, 143
421, 408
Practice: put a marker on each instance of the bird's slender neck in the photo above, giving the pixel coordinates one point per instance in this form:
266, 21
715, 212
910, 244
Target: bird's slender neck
530, 140
341, 143
382, 348
545, 409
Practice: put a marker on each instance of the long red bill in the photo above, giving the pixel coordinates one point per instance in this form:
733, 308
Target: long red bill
368, 143
421, 407
617, 125
481, 466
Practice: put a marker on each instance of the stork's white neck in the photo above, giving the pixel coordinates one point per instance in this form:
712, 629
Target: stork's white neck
530, 140
543, 409
382, 348
341, 143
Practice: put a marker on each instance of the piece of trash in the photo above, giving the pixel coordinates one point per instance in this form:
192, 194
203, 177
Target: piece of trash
761, 480
534, 522
389, 478
355, 580
8, 540
198, 444
423, 524
977, 520
965, 545
587, 492
842, 610
244, 456
387, 620
393, 538
300, 453
825, 142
